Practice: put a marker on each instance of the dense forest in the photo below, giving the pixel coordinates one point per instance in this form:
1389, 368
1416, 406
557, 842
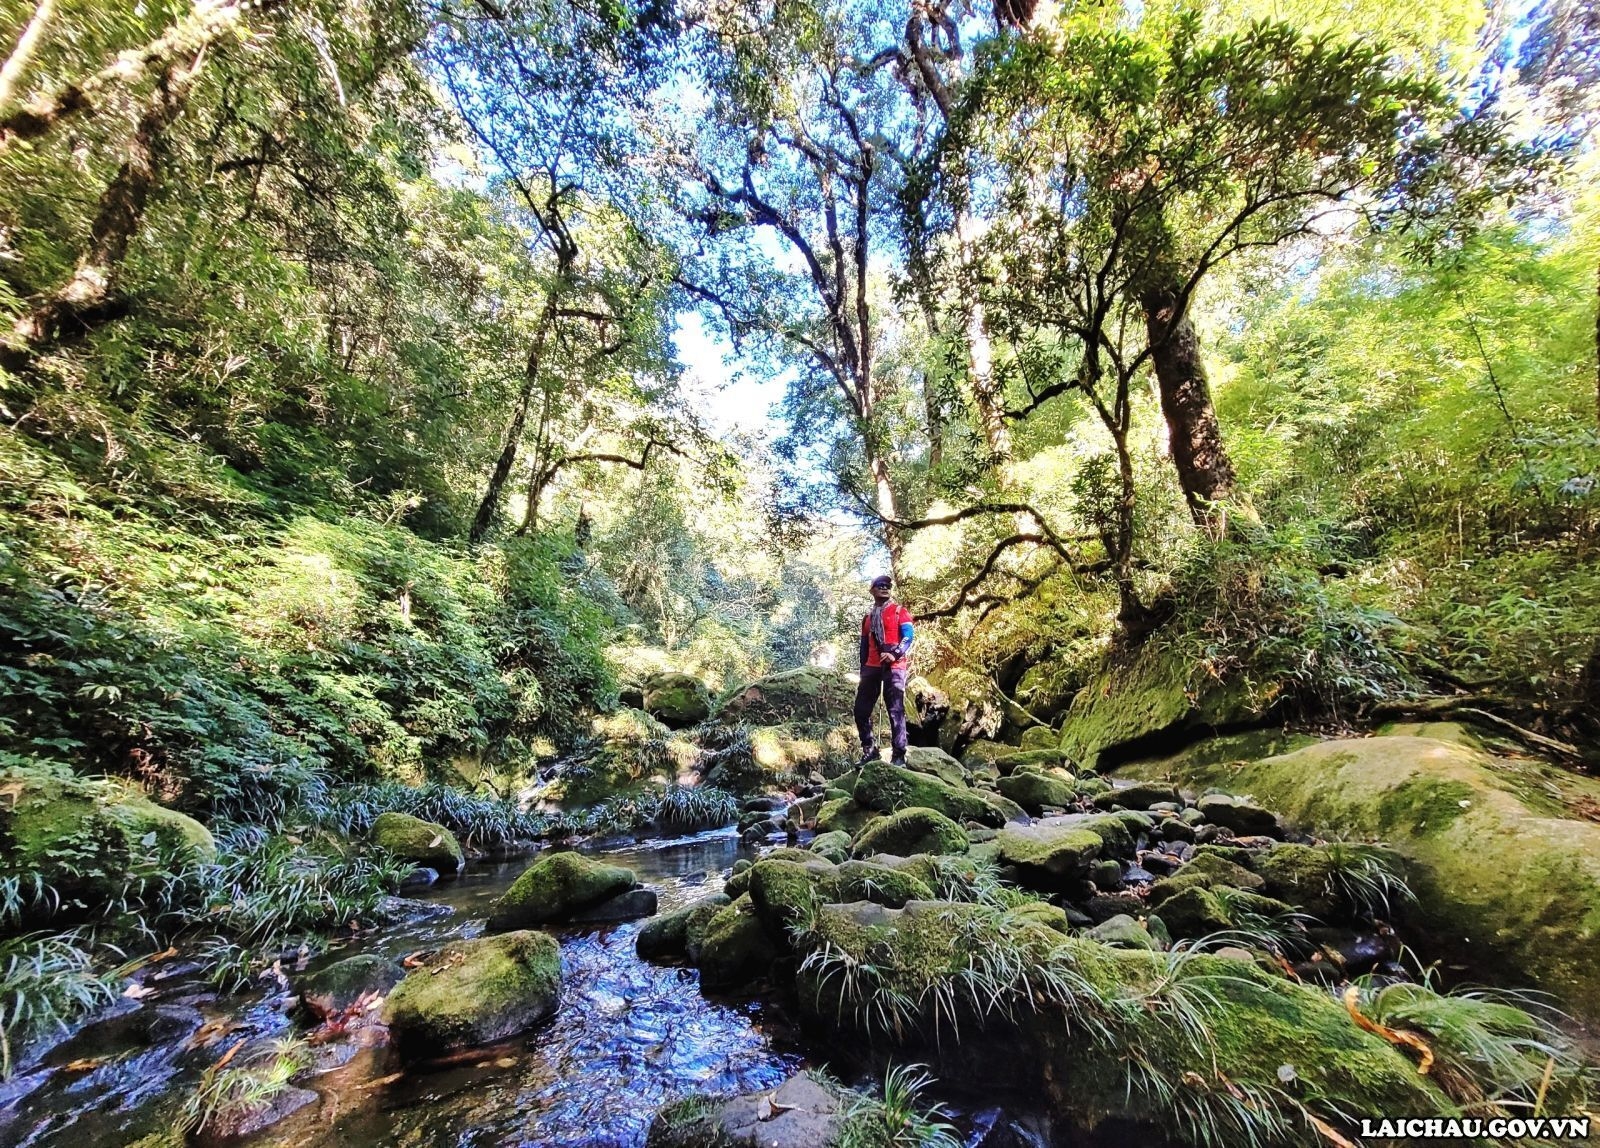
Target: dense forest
438, 435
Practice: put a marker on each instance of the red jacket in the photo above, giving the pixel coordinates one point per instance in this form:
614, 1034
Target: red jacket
896, 624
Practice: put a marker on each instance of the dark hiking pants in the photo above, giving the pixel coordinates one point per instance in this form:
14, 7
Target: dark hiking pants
890, 681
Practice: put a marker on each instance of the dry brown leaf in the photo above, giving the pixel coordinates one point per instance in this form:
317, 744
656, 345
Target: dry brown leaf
1396, 1036
1330, 1133
230, 1054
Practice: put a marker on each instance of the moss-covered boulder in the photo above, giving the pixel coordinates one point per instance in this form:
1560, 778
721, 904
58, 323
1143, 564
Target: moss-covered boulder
985, 753
927, 955
475, 992
1049, 857
732, 949
843, 815
1204, 871
667, 936
911, 831
1137, 705
801, 1113
85, 837
1139, 795
1033, 791
881, 884
937, 763
1506, 881
888, 788
832, 846
1303, 875
554, 887
807, 694
1239, 814
782, 891
677, 700
1046, 759
420, 842
1124, 932
1039, 737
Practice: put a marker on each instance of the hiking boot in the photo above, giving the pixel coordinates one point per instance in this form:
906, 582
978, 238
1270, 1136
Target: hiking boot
900, 761
869, 756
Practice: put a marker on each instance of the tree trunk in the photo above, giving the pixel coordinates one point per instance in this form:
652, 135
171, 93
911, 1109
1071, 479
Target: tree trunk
86, 301
489, 508
980, 366
1194, 436
27, 45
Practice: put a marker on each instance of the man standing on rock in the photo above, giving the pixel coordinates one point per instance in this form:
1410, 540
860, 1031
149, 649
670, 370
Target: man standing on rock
886, 634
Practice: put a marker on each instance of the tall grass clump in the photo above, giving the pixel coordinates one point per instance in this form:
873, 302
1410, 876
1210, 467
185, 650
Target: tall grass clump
46, 983
901, 1118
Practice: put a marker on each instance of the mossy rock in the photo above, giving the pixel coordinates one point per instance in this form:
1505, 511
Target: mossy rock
1053, 917
628, 727
937, 763
796, 750
1124, 932
556, 886
1046, 759
733, 948
804, 1112
888, 788
911, 831
1049, 857
667, 936
808, 693
982, 752
475, 992
881, 884
420, 842
1302, 875
1034, 791
925, 954
1239, 814
1039, 737
340, 985
1134, 706
1505, 883
85, 838
833, 846
783, 890
677, 700
843, 815
1203, 871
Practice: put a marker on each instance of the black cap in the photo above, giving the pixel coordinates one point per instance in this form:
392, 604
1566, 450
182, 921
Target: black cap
882, 580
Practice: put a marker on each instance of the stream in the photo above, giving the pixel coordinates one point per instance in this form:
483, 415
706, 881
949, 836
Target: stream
628, 1036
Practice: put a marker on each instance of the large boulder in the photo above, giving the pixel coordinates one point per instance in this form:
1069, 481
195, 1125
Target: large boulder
556, 886
937, 763
420, 842
806, 694
1033, 791
1144, 703
909, 831
732, 948
85, 838
341, 985
1052, 858
888, 788
677, 700
1507, 883
667, 936
475, 992
882, 884
1251, 1024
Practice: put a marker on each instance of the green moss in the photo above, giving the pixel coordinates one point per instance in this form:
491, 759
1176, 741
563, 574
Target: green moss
1203, 871
554, 886
1506, 889
865, 881
475, 992
911, 831
843, 815
732, 948
887, 788
1049, 857
677, 700
418, 841
1299, 874
1040, 758
806, 693
937, 763
340, 985
1034, 791
782, 890
833, 846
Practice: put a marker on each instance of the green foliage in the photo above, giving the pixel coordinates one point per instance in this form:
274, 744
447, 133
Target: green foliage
46, 982
231, 1089
902, 1118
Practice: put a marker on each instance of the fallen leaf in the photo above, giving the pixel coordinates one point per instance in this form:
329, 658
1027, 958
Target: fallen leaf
1396, 1036
83, 1065
137, 992
382, 1080
1329, 1132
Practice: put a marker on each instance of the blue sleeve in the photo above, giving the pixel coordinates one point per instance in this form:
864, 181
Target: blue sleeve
907, 632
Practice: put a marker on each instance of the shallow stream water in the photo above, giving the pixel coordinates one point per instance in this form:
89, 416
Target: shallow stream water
628, 1036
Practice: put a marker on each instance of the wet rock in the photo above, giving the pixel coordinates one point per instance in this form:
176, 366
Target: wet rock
768, 804
420, 877
1206, 834
1176, 830
339, 986
1106, 875
1104, 906
417, 841
1193, 912
1137, 875
236, 1121
1240, 815
1138, 796
913, 830
667, 936
799, 1114
629, 906
1205, 871
1159, 862
556, 886
475, 992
